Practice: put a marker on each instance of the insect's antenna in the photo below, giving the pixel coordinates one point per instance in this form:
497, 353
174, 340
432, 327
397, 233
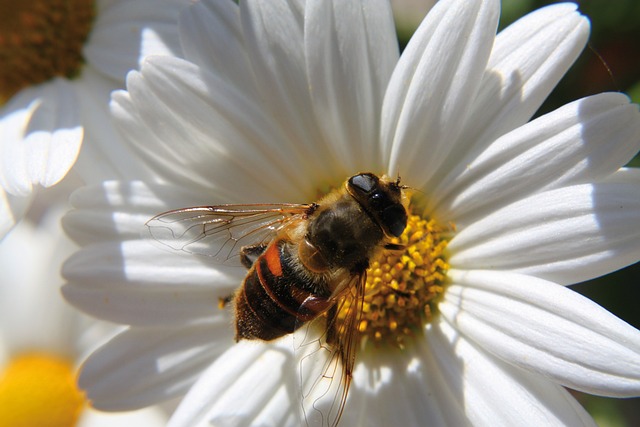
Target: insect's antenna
406, 187
398, 179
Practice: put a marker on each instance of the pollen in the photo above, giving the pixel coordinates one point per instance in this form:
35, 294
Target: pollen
40, 40
39, 390
403, 285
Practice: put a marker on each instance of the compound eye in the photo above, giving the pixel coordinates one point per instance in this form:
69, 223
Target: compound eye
364, 182
395, 219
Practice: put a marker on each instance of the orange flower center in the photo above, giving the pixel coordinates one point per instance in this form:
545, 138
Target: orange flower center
39, 390
41, 39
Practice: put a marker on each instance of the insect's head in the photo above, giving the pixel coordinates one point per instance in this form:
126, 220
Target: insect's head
381, 199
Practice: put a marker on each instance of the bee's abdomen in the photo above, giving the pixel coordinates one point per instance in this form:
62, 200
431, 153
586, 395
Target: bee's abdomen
275, 299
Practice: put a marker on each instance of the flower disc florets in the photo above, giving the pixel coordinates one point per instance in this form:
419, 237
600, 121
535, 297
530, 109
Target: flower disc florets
402, 285
39, 389
40, 40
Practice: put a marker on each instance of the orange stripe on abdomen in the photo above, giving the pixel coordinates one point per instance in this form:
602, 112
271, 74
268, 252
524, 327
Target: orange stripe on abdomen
272, 256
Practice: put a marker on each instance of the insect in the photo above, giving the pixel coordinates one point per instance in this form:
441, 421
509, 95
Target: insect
305, 261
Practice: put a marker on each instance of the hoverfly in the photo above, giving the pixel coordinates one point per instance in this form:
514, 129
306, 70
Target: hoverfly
305, 261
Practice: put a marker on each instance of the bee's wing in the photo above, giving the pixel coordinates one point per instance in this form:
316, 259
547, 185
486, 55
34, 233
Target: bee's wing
220, 231
326, 357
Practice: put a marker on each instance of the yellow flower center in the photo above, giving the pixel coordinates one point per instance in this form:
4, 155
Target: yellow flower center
39, 390
403, 285
41, 39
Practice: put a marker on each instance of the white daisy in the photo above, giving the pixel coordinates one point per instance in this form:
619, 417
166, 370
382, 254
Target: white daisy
60, 62
279, 101
42, 339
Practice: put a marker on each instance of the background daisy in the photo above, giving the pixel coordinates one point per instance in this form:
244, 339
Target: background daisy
61, 60
42, 339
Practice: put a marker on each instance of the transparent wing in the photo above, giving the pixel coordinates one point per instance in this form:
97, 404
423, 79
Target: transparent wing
220, 231
326, 357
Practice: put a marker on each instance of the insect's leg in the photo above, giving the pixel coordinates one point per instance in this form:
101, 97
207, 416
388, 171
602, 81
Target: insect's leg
249, 254
223, 301
394, 247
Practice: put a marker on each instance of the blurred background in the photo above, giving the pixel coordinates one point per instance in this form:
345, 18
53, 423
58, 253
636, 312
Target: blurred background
611, 62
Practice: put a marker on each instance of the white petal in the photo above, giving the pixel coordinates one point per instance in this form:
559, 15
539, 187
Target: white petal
198, 130
274, 36
53, 138
135, 283
624, 176
125, 32
40, 137
30, 259
212, 38
581, 142
402, 387
13, 173
566, 235
351, 50
104, 154
251, 384
492, 392
547, 329
215, 39
144, 366
147, 417
116, 210
12, 209
426, 100
528, 59
447, 381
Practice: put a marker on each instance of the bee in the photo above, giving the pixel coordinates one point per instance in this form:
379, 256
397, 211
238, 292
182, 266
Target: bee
305, 261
